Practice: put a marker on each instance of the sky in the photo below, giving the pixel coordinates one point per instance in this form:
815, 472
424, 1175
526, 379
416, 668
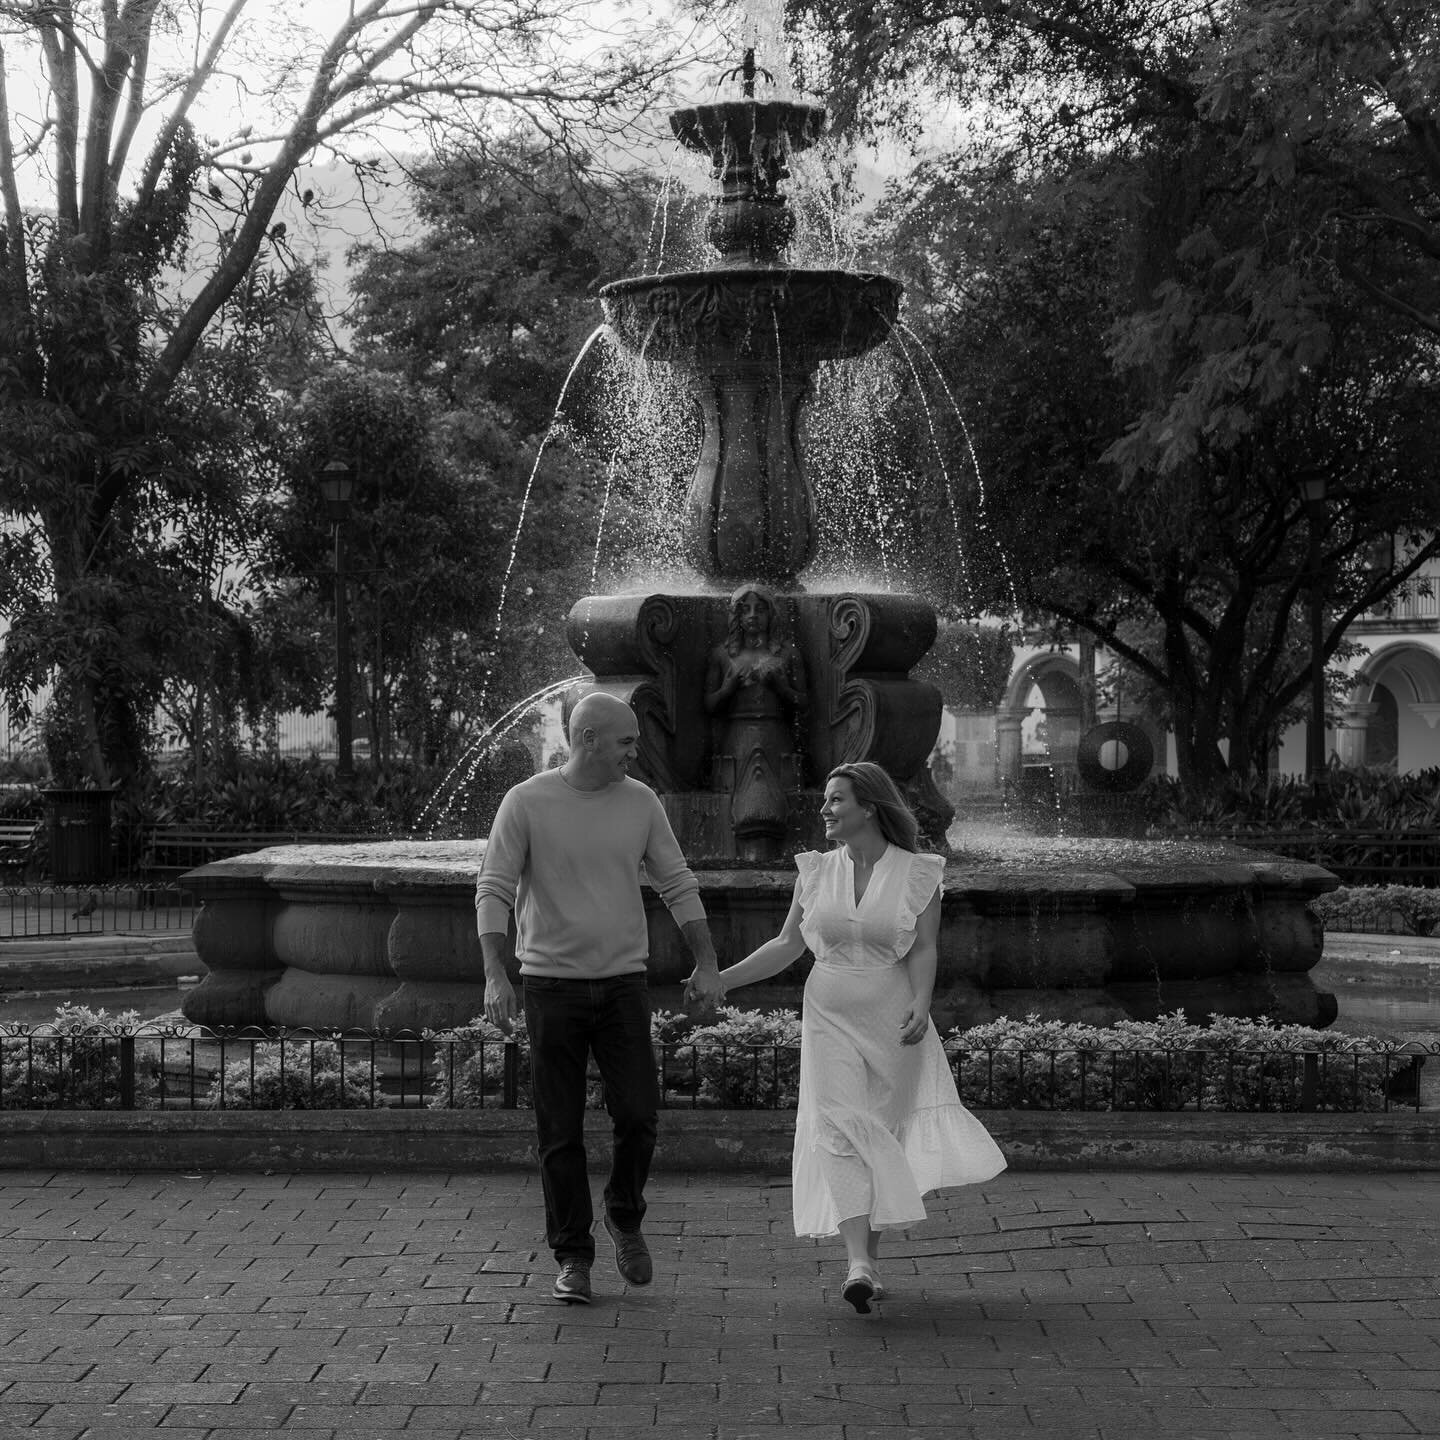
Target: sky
268, 60
250, 101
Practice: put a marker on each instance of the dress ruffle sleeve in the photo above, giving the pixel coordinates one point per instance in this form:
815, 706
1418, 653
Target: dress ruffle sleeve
807, 867
926, 872
807, 890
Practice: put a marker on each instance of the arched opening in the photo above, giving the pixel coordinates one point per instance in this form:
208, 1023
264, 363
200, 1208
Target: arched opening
1038, 725
1391, 714
1382, 733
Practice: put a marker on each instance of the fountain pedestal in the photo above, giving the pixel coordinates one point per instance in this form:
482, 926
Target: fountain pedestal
652, 650
381, 936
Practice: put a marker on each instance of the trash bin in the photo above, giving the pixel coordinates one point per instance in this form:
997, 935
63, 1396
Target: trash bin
79, 833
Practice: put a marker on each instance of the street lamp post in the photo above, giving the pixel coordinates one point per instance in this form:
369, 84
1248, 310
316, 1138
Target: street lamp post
1312, 488
337, 484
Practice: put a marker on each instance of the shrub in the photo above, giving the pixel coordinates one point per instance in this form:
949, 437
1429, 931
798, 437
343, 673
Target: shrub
745, 1059
71, 1062
20, 801
469, 1072
273, 792
1380, 909
290, 1075
1373, 799
1169, 1064
1019, 1064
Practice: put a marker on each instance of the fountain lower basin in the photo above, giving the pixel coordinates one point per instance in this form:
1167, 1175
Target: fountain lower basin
381, 936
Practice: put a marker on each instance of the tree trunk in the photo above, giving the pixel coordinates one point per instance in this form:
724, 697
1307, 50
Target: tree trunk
95, 716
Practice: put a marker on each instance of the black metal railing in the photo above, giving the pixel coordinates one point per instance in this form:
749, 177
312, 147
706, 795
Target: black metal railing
168, 1065
37, 912
1355, 856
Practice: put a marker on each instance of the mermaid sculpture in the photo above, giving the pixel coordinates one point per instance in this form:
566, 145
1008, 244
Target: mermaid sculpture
755, 686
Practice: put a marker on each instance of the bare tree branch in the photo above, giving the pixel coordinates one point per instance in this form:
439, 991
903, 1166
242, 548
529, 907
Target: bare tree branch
195, 85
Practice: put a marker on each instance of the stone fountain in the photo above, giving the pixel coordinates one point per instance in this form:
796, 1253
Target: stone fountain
748, 690
741, 777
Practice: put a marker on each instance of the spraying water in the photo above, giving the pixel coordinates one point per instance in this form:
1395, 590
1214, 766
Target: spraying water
982, 521
551, 430
460, 778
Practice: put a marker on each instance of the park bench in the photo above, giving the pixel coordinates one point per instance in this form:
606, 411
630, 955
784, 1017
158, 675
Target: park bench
170, 850
17, 844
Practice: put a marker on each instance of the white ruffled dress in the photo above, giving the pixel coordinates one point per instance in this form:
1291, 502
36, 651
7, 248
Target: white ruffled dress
878, 1124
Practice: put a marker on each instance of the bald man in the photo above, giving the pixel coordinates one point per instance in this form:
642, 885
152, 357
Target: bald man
565, 855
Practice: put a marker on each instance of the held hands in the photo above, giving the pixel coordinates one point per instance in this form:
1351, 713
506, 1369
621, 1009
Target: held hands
704, 989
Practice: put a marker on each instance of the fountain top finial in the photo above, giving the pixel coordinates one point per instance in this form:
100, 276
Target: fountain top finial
747, 71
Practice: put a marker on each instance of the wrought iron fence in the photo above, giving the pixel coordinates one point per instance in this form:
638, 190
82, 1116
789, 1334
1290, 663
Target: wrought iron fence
164, 1065
41, 911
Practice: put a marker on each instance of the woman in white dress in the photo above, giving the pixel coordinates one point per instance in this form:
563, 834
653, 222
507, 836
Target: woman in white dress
878, 1123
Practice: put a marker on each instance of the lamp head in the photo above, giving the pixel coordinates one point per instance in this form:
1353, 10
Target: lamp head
337, 485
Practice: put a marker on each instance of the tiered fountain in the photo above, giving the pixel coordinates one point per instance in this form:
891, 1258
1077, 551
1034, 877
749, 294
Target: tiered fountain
752, 332
748, 691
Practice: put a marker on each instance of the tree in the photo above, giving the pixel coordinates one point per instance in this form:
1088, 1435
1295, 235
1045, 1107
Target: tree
970, 664
417, 536
1335, 105
93, 432
1193, 265
491, 310
1194, 572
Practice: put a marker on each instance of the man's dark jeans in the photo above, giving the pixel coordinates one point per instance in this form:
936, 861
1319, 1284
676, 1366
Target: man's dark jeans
569, 1020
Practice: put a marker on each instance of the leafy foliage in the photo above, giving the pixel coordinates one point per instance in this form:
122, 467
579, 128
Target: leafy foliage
423, 560
1380, 909
292, 1075
487, 315
1161, 337
744, 1059
148, 331
469, 1074
71, 1062
273, 792
1377, 800
970, 664
1168, 1064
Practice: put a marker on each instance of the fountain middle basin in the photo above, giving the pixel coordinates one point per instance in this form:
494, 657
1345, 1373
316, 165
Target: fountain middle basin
381, 936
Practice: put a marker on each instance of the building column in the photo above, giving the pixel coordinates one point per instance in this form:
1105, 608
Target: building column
1350, 735
1008, 744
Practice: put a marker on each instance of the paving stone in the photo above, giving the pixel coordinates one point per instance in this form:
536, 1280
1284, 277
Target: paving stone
1065, 1306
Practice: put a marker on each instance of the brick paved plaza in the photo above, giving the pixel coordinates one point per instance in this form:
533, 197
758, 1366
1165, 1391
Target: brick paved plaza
1054, 1305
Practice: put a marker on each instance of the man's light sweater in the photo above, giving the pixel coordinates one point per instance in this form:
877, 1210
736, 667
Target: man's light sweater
567, 862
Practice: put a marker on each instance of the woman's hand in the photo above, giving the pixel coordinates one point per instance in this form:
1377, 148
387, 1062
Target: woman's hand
915, 1024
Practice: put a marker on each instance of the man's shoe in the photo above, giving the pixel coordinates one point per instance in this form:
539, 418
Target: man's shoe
632, 1255
572, 1284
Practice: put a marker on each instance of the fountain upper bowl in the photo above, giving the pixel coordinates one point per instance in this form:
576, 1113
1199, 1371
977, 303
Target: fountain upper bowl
798, 316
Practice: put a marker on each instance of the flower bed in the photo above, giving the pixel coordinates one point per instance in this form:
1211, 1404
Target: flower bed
741, 1060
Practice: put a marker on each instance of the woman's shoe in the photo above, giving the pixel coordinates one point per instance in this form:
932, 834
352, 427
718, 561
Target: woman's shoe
860, 1286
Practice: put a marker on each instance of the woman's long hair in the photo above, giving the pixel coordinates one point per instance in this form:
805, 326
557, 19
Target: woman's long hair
874, 787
